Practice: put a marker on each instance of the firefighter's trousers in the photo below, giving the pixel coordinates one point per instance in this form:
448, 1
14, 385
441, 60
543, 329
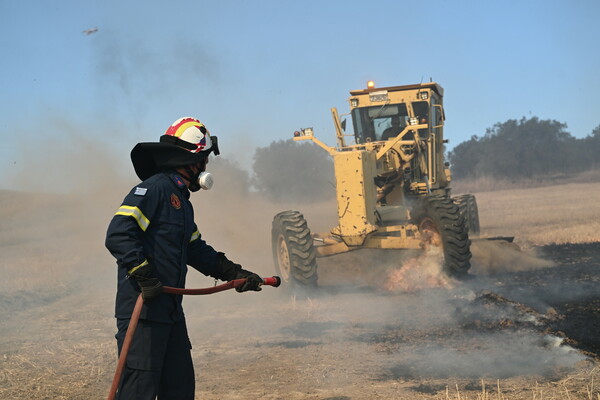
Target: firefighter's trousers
159, 362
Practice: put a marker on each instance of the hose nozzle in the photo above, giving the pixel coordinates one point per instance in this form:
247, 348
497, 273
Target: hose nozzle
274, 281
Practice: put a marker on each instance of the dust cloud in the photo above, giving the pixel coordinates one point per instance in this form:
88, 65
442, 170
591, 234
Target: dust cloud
495, 257
438, 327
519, 353
138, 77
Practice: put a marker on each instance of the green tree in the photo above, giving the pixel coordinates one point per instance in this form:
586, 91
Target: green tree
589, 149
517, 149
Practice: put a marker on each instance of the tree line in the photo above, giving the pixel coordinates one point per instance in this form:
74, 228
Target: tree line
525, 148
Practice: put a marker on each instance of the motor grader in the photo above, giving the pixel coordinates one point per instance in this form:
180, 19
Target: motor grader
392, 186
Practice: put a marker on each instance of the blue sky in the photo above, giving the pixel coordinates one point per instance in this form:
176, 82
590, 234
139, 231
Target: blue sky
255, 71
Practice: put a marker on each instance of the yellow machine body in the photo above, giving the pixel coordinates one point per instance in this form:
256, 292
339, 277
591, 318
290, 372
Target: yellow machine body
377, 173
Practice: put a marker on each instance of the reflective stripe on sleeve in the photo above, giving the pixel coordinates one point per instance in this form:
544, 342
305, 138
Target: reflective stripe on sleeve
136, 213
195, 236
132, 270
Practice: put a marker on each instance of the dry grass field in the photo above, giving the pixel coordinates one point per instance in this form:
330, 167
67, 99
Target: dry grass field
567, 213
520, 329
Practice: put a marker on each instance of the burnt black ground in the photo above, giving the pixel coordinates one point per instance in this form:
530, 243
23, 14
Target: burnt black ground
581, 322
571, 289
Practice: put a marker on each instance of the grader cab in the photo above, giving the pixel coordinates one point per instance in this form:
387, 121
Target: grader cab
392, 186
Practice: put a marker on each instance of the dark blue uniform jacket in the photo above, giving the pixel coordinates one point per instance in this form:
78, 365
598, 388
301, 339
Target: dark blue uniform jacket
155, 225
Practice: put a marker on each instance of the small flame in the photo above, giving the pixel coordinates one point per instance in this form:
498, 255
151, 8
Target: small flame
424, 271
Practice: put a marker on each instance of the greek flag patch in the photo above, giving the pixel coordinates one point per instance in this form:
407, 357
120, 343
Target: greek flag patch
140, 191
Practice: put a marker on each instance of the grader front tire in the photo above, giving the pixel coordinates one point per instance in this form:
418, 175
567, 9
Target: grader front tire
467, 205
441, 224
293, 250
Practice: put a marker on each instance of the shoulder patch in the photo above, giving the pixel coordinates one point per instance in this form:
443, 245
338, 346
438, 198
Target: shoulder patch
140, 191
178, 181
175, 202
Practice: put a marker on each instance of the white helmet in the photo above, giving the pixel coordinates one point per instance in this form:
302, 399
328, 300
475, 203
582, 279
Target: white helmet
192, 135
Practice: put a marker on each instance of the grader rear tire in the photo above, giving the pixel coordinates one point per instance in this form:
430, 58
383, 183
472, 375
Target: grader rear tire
467, 205
441, 224
293, 250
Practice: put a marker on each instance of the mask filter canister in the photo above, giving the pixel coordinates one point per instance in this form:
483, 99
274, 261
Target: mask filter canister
206, 180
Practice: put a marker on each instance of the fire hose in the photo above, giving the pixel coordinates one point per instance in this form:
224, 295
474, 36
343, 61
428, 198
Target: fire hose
274, 281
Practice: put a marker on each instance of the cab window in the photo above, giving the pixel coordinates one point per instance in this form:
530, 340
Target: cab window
375, 123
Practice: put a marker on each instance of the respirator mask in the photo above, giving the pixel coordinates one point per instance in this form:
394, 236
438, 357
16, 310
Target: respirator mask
200, 179
204, 180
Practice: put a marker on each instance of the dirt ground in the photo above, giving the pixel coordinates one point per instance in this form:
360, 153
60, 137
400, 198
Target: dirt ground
524, 326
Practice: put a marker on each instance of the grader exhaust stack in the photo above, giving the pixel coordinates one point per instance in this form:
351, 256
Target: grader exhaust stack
392, 186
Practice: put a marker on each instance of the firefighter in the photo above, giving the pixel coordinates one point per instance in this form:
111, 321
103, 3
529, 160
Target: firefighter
154, 238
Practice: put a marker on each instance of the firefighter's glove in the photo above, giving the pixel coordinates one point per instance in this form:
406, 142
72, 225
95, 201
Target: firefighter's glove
253, 281
150, 286
231, 271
